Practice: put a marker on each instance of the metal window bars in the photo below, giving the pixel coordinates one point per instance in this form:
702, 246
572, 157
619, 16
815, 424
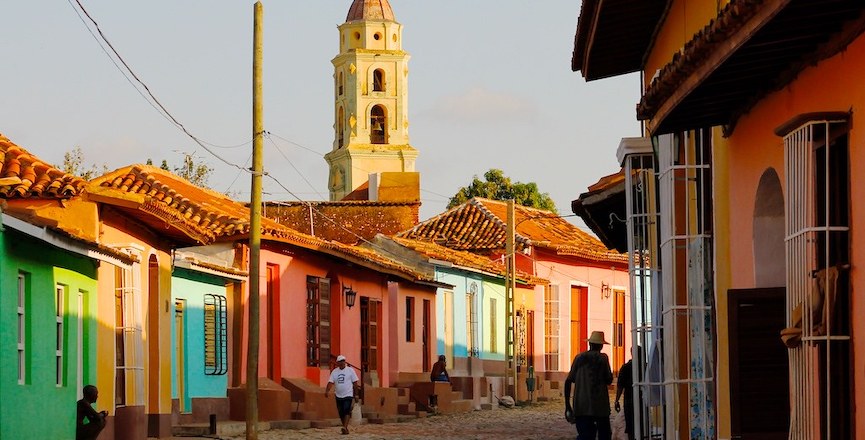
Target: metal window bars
215, 335
817, 254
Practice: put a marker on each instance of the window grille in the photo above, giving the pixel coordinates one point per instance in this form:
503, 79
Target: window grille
687, 303
472, 321
641, 198
59, 294
493, 325
818, 296
409, 319
551, 327
21, 312
129, 340
215, 335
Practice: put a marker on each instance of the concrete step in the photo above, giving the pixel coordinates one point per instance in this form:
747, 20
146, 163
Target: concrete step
421, 414
486, 406
405, 418
325, 423
228, 429
457, 406
291, 424
304, 415
384, 419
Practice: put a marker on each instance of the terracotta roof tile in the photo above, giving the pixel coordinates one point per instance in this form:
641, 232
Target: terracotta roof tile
479, 225
370, 10
466, 259
24, 175
210, 215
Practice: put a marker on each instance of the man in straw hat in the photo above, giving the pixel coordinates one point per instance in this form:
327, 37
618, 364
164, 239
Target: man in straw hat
589, 407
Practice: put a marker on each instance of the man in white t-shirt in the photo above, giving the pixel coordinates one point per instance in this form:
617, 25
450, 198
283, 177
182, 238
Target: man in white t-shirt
344, 380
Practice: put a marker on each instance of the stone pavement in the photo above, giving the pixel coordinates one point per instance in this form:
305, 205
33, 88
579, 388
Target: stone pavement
543, 420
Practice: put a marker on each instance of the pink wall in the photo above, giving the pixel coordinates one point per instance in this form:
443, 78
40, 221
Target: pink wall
294, 267
572, 271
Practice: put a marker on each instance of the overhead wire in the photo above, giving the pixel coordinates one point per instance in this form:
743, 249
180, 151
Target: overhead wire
153, 101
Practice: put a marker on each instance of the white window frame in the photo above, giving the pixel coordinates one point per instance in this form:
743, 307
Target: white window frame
552, 329
131, 328
59, 304
472, 346
21, 312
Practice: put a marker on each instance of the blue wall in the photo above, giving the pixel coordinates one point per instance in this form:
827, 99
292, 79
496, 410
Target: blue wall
191, 287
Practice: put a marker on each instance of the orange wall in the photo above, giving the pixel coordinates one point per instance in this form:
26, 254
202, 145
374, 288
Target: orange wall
833, 85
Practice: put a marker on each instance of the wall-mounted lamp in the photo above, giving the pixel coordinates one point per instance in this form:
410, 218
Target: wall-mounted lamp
350, 296
605, 290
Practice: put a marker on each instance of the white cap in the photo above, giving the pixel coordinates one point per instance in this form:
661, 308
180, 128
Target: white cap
340, 358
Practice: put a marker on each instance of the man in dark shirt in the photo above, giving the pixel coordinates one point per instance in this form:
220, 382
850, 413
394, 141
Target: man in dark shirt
95, 420
439, 371
625, 385
590, 406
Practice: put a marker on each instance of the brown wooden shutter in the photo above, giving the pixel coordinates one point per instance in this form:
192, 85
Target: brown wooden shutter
324, 322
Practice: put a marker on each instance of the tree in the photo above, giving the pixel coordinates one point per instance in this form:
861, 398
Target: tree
497, 186
197, 173
73, 163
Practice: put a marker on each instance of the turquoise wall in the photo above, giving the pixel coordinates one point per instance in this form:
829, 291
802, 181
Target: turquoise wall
40, 408
487, 286
191, 286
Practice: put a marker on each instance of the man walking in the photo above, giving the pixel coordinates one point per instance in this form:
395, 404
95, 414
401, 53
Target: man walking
345, 382
590, 405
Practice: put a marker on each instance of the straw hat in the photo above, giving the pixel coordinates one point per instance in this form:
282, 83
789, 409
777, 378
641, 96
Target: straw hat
597, 338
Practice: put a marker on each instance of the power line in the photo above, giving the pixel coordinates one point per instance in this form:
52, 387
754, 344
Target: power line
153, 101
267, 136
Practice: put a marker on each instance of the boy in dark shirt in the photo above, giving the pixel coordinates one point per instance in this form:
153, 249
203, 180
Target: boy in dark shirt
95, 420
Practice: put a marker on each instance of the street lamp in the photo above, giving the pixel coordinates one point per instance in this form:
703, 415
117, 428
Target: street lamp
350, 296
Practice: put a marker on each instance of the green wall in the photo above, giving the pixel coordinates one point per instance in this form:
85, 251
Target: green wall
40, 408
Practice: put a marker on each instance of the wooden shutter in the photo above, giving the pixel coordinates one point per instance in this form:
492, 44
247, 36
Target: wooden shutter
324, 322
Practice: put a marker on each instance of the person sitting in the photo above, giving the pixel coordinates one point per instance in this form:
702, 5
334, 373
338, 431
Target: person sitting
88, 422
439, 371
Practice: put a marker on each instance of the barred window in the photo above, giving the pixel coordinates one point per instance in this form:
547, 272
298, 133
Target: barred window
215, 335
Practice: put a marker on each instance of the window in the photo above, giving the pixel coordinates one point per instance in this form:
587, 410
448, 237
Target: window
128, 339
551, 327
409, 319
687, 289
317, 322
22, 328
378, 125
493, 326
340, 84
59, 294
472, 321
378, 80
340, 128
215, 335
818, 255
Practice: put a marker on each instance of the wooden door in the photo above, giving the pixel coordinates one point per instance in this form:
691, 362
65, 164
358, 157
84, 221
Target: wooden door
180, 354
759, 380
618, 341
274, 368
369, 315
530, 338
579, 327
426, 335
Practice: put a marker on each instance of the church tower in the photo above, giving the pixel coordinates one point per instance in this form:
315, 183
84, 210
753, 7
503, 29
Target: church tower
371, 99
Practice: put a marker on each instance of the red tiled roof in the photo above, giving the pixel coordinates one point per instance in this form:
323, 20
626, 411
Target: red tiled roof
208, 216
466, 259
24, 175
480, 225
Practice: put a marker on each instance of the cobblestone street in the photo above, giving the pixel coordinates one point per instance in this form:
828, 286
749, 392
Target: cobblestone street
538, 421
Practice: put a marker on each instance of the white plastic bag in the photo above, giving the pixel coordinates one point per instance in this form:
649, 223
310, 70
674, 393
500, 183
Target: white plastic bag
618, 426
356, 415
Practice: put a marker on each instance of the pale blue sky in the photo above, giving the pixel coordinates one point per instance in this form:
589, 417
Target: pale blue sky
490, 86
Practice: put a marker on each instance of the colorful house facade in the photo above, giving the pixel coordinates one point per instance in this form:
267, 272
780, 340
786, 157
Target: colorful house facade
740, 209
587, 287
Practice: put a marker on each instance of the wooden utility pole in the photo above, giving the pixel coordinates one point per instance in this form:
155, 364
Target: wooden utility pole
255, 227
510, 287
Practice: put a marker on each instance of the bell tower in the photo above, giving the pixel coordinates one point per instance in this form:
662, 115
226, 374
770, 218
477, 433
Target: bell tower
371, 99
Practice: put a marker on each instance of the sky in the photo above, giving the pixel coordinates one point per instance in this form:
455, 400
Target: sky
490, 86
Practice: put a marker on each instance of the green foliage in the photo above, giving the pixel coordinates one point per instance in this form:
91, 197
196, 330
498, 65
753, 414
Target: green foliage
497, 186
73, 163
198, 173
